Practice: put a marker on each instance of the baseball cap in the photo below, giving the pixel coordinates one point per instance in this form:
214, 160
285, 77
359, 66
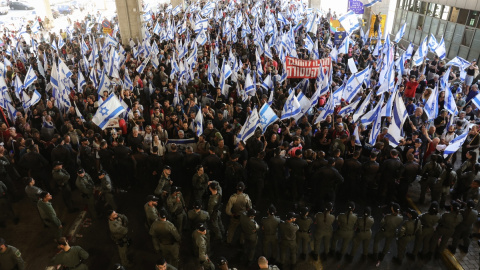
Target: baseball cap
101, 172
152, 198
175, 189
251, 212
167, 167
418, 140
201, 227
272, 209
291, 215
240, 186
80, 171
222, 261
396, 207
162, 213
58, 162
197, 205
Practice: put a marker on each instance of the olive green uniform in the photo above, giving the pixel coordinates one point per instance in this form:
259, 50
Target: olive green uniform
303, 234
62, 178
151, 213
71, 259
163, 185
249, 228
200, 250
213, 208
6, 208
200, 186
237, 204
425, 235
431, 172
166, 240
388, 229
445, 229
49, 217
196, 218
85, 185
11, 259
118, 231
364, 234
288, 242
177, 210
270, 236
346, 224
107, 191
406, 235
464, 229
323, 231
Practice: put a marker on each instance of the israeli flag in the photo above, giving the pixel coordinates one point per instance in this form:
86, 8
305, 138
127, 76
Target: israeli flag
110, 41
400, 33
458, 62
371, 3
35, 27
18, 86
81, 82
207, 9
202, 23
369, 117
93, 77
143, 65
291, 107
421, 53
376, 128
457, 142
199, 122
249, 86
248, 129
308, 43
399, 115
226, 73
176, 97
34, 99
267, 83
440, 49
304, 105
157, 29
328, 109
30, 78
12, 111
475, 100
54, 45
108, 110
202, 37
431, 106
349, 22
104, 84
344, 46
267, 117
176, 10
77, 111
350, 108
432, 43
61, 43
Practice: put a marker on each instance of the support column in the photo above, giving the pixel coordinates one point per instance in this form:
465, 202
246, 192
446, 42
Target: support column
129, 19
176, 2
47, 10
315, 4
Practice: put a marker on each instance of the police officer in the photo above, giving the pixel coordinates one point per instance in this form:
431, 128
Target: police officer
199, 183
70, 257
197, 215
346, 224
323, 231
85, 184
446, 228
352, 172
364, 234
326, 181
407, 234
107, 188
164, 183
223, 264
151, 210
288, 240
447, 179
303, 234
61, 178
213, 209
250, 233
464, 229
423, 237
270, 232
370, 171
31, 190
48, 215
166, 238
412, 169
118, 225
200, 247
391, 171
87, 156
430, 173
263, 264
6, 208
162, 264
237, 204
388, 229
10, 257
176, 208
257, 169
298, 167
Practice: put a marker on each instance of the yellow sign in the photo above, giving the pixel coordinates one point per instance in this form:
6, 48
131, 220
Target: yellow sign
107, 30
338, 27
383, 19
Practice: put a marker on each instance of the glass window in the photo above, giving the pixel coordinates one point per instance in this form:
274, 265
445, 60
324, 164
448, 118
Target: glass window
476, 40
462, 16
449, 31
458, 34
473, 54
454, 14
421, 20
430, 9
453, 51
445, 12
472, 19
463, 52
468, 37
438, 11
434, 27
423, 8
415, 20
398, 16
404, 17
426, 25
409, 20
418, 37
411, 34
447, 46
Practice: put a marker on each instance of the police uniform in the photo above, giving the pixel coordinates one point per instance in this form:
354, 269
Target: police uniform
250, 229
364, 226
424, 236
346, 223
195, 218
166, 240
199, 184
61, 178
430, 173
6, 208
407, 233
11, 259
388, 225
151, 213
107, 190
118, 231
33, 192
49, 217
323, 231
85, 185
238, 203
464, 229
288, 242
163, 186
445, 229
303, 234
213, 209
200, 250
176, 208
270, 235
71, 259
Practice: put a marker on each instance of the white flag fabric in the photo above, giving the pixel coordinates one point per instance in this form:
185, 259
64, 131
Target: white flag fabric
248, 129
30, 78
267, 117
400, 33
399, 115
291, 107
349, 22
109, 109
456, 143
199, 123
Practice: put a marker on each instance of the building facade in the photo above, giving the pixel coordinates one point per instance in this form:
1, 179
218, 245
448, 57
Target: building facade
458, 21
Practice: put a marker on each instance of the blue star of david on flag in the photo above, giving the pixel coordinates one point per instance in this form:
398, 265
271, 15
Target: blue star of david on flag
104, 111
